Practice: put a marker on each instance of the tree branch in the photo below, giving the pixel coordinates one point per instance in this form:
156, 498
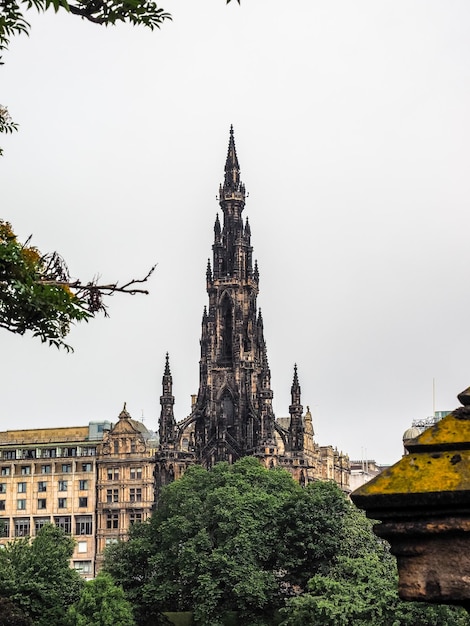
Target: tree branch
108, 289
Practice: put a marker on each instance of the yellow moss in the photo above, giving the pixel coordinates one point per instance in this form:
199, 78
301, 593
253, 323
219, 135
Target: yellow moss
449, 430
426, 472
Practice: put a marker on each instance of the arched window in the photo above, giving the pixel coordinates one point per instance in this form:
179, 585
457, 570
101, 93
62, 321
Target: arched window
228, 410
227, 328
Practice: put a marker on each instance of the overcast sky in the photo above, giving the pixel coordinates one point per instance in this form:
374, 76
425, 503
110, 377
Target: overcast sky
352, 129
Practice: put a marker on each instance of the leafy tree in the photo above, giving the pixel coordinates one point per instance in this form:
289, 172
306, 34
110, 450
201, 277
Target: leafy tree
359, 588
245, 539
37, 294
35, 575
11, 615
220, 541
102, 603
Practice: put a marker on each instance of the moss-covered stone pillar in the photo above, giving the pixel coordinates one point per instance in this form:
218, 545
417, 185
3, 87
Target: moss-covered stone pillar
423, 505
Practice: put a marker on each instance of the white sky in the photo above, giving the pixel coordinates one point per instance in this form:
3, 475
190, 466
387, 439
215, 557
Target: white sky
352, 129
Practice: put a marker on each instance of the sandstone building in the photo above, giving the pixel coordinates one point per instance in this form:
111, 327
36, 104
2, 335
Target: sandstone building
49, 475
92, 481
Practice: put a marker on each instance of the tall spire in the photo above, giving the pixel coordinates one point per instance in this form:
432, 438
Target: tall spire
296, 427
167, 426
232, 187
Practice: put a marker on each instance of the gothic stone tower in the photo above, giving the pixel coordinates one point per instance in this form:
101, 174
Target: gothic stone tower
233, 413
233, 416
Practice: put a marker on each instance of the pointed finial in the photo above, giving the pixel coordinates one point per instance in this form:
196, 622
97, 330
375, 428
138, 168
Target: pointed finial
167, 365
247, 228
124, 414
232, 184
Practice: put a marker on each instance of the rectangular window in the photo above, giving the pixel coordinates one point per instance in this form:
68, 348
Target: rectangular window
89, 451
82, 567
112, 495
136, 494
134, 518
45, 469
42, 485
83, 525
26, 469
21, 505
86, 467
21, 527
62, 485
66, 468
69, 452
112, 520
49, 453
82, 503
21, 487
39, 522
136, 473
113, 474
82, 546
3, 487
65, 523
5, 471
4, 527
83, 485
2, 505
41, 503
62, 504
110, 540
9, 455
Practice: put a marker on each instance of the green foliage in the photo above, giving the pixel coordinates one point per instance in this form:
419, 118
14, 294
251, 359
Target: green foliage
36, 576
227, 540
102, 603
31, 299
136, 12
248, 540
11, 615
359, 588
7, 125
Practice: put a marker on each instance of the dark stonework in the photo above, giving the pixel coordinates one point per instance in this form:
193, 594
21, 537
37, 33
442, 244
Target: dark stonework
232, 415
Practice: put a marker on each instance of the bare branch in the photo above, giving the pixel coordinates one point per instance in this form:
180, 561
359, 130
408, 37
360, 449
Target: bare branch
108, 290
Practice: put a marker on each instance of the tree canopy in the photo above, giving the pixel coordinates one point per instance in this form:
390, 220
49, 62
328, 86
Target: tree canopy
101, 603
36, 578
250, 540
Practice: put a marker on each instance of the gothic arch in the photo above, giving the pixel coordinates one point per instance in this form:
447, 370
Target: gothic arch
226, 308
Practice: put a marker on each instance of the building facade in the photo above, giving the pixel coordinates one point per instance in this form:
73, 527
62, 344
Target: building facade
49, 476
232, 415
92, 481
125, 486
